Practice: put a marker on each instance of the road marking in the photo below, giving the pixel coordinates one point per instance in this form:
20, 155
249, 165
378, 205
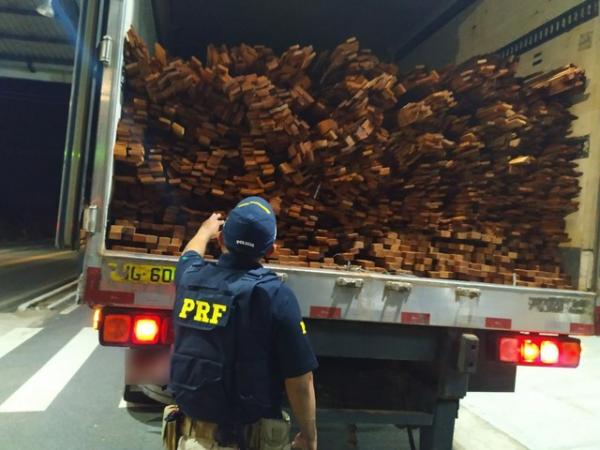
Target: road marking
42, 388
14, 338
70, 309
124, 404
63, 299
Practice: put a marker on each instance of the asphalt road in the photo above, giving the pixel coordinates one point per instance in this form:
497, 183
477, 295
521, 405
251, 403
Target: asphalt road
60, 390
551, 409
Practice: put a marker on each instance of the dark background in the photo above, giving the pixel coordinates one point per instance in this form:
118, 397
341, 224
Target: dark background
33, 120
388, 27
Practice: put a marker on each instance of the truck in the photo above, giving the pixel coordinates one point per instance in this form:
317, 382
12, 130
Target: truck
393, 349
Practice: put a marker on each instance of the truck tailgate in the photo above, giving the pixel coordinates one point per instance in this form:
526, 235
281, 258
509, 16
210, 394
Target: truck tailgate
146, 281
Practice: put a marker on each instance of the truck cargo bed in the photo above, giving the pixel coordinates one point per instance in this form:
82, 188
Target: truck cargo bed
323, 293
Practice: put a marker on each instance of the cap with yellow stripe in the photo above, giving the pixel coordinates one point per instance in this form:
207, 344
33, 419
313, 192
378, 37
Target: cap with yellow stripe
251, 227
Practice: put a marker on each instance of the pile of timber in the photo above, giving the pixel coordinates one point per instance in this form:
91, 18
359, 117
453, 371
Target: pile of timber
467, 173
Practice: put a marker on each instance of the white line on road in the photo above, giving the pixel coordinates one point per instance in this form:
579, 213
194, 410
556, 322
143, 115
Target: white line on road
42, 388
124, 404
14, 338
63, 299
70, 309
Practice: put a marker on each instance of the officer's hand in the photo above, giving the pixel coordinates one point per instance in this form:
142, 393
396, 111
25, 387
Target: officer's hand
301, 442
211, 226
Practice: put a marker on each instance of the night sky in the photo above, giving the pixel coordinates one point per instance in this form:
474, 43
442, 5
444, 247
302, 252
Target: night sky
33, 120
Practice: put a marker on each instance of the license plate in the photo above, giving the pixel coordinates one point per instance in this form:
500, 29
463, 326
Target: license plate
142, 273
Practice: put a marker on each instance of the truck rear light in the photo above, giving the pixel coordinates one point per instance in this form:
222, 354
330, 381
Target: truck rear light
549, 352
570, 354
530, 351
116, 328
533, 350
166, 331
125, 327
509, 350
96, 319
146, 329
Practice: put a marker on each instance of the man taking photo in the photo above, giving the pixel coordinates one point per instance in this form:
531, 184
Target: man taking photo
239, 341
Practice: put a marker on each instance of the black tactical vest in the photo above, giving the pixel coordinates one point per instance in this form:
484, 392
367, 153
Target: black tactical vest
221, 363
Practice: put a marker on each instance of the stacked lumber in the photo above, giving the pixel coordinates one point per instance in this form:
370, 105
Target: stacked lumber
143, 237
465, 173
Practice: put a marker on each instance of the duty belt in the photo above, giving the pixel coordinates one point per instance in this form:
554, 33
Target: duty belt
224, 435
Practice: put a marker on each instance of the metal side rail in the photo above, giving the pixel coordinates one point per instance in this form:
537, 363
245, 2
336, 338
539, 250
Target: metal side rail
63, 290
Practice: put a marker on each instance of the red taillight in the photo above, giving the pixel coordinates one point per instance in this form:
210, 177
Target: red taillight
130, 327
146, 329
166, 331
570, 352
543, 351
509, 350
116, 328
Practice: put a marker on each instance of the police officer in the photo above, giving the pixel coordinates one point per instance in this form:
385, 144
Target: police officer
239, 341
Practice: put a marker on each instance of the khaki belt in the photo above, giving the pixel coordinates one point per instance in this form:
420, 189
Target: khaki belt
266, 434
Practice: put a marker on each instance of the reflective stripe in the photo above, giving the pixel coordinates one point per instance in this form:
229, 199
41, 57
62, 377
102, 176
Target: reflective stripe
497, 322
303, 327
263, 207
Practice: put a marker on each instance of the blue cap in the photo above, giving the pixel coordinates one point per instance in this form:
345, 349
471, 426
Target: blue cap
251, 227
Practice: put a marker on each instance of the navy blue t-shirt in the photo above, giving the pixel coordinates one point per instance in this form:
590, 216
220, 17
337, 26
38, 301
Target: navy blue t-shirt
292, 353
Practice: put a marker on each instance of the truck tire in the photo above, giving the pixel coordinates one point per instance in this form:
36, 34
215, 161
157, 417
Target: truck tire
146, 395
157, 393
134, 394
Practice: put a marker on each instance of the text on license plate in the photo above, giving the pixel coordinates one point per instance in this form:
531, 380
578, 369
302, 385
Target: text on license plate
143, 273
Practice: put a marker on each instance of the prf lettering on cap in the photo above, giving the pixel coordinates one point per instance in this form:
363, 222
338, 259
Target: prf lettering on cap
204, 312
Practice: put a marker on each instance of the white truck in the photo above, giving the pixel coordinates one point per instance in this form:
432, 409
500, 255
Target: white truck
393, 349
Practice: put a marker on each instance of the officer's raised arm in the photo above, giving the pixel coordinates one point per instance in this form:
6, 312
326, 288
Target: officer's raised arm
207, 231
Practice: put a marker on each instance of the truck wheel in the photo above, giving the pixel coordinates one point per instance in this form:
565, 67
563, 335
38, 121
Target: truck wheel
133, 394
158, 393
